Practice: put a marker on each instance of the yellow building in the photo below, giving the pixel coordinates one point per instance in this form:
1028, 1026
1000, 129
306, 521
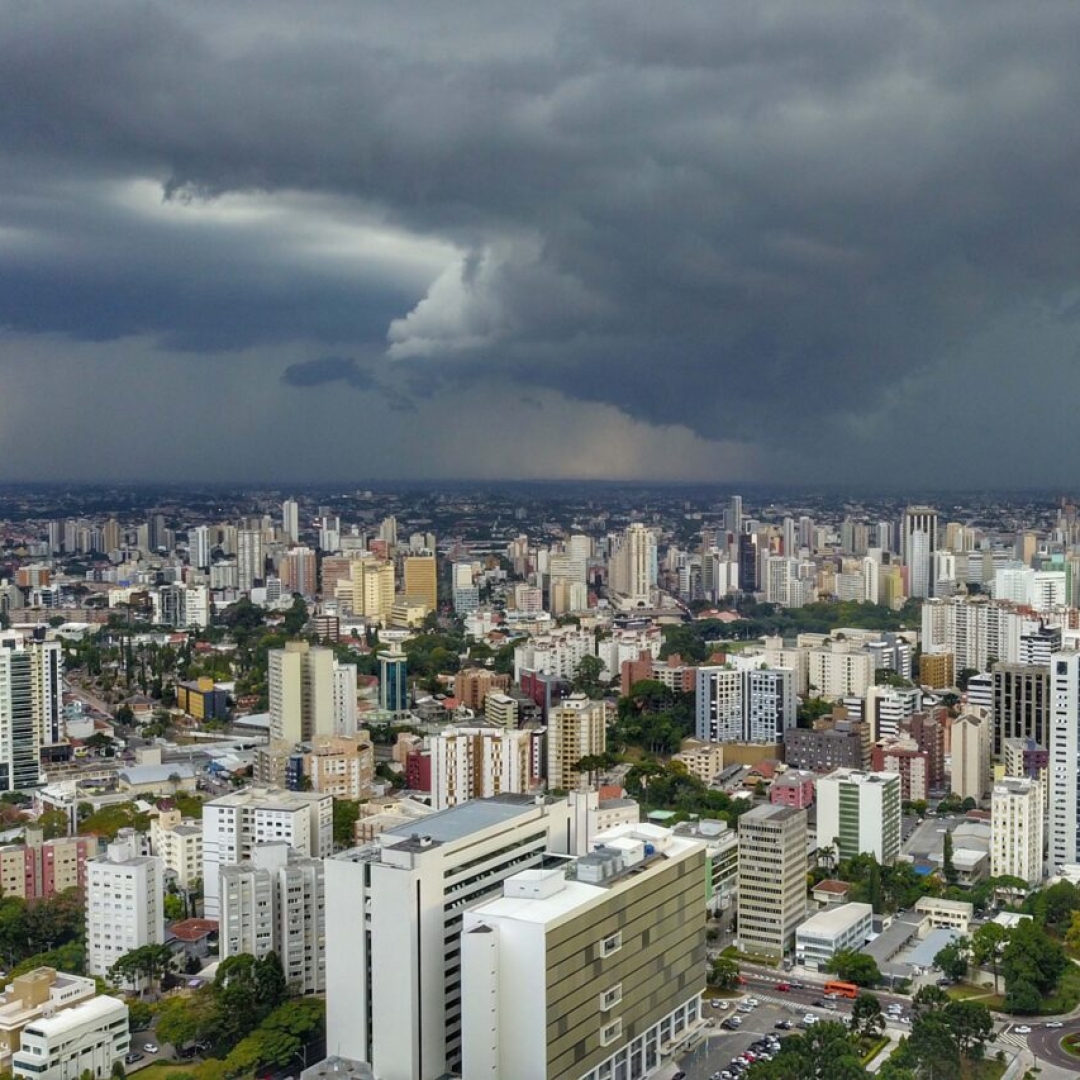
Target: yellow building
373, 589
421, 580
200, 700
937, 670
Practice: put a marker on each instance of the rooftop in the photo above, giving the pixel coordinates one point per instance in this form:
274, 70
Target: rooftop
445, 826
193, 929
834, 919
95, 1009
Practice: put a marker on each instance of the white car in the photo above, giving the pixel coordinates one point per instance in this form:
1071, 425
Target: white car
1054, 1023
1023, 1029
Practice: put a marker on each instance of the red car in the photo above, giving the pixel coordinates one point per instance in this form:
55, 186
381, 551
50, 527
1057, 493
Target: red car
783, 986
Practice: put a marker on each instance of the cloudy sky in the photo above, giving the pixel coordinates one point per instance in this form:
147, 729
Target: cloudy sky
730, 240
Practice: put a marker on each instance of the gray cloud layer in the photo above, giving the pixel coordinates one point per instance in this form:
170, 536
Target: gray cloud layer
764, 222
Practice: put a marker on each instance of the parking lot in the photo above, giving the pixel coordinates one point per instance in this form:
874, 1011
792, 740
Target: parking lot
722, 1046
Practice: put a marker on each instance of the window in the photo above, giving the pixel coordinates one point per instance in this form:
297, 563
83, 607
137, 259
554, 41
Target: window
610, 1032
610, 998
611, 944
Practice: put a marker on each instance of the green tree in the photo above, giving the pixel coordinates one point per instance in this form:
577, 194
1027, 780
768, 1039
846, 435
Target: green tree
987, 945
346, 814
724, 973
149, 962
972, 1026
932, 1050
174, 907
856, 967
953, 959
1030, 958
54, 824
587, 678
866, 1015
948, 867
826, 1052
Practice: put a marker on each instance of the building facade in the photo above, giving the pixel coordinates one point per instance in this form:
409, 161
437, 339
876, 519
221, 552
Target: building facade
859, 813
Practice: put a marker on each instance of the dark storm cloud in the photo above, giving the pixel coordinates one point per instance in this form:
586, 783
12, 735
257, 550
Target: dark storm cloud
750, 218
327, 369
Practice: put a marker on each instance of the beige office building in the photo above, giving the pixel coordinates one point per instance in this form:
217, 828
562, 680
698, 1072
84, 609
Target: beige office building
587, 974
972, 735
373, 589
772, 879
421, 580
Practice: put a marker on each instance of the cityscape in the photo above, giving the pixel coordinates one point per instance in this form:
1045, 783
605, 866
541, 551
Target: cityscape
537, 540
538, 781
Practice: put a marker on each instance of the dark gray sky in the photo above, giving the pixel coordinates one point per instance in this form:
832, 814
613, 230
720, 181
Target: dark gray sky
776, 241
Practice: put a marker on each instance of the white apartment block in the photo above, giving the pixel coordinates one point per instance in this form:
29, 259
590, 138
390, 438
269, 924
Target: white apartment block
478, 762
859, 813
577, 728
125, 906
839, 669
843, 926
556, 653
394, 913
1064, 826
741, 702
975, 630
178, 843
589, 972
87, 1038
628, 645
772, 879
235, 823
275, 903
1016, 829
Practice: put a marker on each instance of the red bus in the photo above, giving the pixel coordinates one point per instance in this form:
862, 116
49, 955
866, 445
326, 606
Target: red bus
842, 989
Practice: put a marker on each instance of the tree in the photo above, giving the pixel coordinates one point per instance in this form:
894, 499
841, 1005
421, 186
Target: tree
53, 823
724, 973
587, 678
987, 944
149, 962
174, 907
972, 1026
948, 868
826, 1052
932, 1048
953, 959
866, 1015
1030, 959
856, 967
346, 814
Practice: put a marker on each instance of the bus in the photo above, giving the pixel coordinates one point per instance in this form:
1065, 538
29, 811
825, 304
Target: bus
842, 989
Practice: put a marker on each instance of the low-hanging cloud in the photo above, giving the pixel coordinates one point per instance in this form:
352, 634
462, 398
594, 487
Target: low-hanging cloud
755, 220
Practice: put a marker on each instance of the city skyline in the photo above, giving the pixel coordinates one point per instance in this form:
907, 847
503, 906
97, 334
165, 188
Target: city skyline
519, 242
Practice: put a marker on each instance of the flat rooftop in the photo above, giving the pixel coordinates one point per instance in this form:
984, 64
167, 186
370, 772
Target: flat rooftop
833, 920
445, 826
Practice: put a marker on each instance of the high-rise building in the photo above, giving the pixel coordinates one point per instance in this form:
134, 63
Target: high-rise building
394, 912
199, 547
125, 905
275, 903
919, 540
373, 589
1016, 829
421, 581
178, 843
772, 879
477, 762
41, 868
250, 560
233, 824
1021, 703
393, 681
971, 740
31, 703
632, 572
290, 520
859, 813
577, 728
563, 975
300, 681
298, 571
1064, 826
744, 703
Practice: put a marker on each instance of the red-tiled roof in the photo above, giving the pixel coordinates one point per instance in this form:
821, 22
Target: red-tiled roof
837, 887
193, 929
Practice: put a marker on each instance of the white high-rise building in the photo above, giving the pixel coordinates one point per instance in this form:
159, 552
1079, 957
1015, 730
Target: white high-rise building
394, 913
919, 540
1016, 829
275, 903
479, 762
290, 520
1064, 827
31, 705
234, 824
250, 559
125, 903
199, 547
741, 702
859, 813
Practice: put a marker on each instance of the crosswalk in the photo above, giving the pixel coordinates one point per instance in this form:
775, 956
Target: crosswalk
1011, 1038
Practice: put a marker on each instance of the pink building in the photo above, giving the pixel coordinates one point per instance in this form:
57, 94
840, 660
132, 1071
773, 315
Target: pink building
793, 788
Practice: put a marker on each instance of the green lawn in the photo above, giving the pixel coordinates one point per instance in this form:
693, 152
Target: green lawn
160, 1071
965, 992
987, 1069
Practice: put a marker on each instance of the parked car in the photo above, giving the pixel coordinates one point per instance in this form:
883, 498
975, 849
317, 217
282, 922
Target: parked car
133, 1056
785, 986
1023, 1029
150, 1048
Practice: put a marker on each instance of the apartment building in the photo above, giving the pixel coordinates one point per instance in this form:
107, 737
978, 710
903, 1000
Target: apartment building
577, 728
125, 907
859, 813
234, 824
41, 992
1016, 829
177, 841
477, 762
41, 868
275, 903
740, 703
590, 972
